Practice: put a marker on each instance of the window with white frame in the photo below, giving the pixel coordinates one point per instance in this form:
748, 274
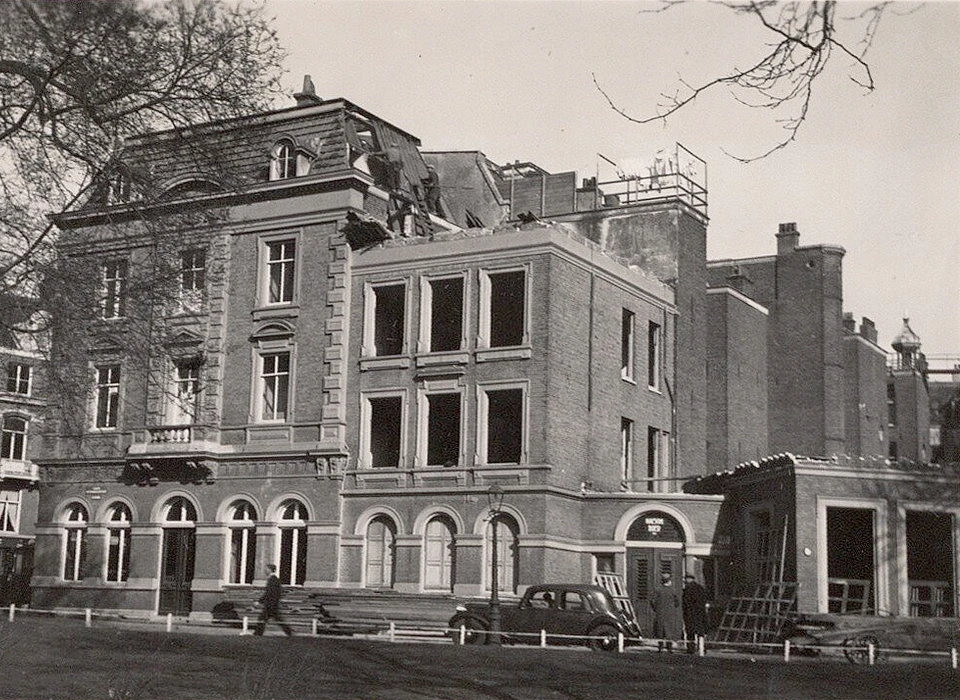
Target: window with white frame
107, 407
443, 428
9, 511
279, 276
74, 542
503, 315
502, 425
654, 354
274, 390
626, 450
183, 406
114, 293
283, 160
13, 439
293, 543
242, 527
119, 518
386, 316
444, 314
381, 430
193, 279
627, 323
19, 377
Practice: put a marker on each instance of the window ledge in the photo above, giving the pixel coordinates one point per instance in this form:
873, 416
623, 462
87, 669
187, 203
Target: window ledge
629, 380
654, 390
395, 362
511, 353
455, 357
276, 311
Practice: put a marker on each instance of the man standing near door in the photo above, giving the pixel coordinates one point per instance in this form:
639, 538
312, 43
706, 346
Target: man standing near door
669, 613
270, 602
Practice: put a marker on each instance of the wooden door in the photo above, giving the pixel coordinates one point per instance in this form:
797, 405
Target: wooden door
176, 576
644, 566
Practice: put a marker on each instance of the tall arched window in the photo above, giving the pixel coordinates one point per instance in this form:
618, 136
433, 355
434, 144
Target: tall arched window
118, 542
243, 542
179, 510
293, 543
440, 554
381, 552
283, 162
508, 553
74, 542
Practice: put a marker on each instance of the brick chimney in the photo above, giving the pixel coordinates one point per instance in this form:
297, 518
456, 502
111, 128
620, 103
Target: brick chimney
849, 325
308, 96
788, 238
868, 329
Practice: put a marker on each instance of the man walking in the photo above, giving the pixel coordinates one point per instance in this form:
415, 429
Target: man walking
270, 602
668, 620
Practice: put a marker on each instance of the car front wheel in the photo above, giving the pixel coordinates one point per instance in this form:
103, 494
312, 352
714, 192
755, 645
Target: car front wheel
475, 631
604, 638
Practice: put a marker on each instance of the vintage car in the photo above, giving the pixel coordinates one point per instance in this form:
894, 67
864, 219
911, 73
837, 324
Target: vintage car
569, 613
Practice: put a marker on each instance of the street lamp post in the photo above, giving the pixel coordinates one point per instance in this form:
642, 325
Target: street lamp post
495, 501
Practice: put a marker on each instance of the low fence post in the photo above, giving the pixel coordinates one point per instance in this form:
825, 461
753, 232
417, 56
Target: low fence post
786, 650
702, 645
87, 617
620, 642
393, 631
169, 622
543, 638
871, 653
313, 627
953, 657
463, 635
246, 624
13, 608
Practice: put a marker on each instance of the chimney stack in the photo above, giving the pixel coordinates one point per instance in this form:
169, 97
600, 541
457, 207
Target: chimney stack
788, 238
308, 96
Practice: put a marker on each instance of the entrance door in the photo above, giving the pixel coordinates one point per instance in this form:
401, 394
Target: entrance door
644, 566
176, 577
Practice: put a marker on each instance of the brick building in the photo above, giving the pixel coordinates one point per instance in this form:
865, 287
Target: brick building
908, 399
302, 351
310, 344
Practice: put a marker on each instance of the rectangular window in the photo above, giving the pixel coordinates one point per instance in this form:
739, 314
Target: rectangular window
193, 278
114, 300
626, 345
446, 314
503, 418
76, 554
281, 269
626, 450
507, 307
653, 457
443, 429
13, 441
653, 356
118, 554
108, 396
389, 302
185, 400
18, 378
274, 386
9, 511
383, 431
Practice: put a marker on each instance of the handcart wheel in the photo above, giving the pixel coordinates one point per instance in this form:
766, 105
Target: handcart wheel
856, 651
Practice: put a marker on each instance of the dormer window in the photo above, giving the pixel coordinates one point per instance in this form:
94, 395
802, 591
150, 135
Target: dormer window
118, 189
283, 163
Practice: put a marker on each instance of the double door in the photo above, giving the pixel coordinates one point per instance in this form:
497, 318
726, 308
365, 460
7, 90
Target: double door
644, 567
176, 573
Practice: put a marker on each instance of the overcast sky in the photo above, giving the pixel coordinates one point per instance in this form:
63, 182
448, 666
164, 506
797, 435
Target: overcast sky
878, 173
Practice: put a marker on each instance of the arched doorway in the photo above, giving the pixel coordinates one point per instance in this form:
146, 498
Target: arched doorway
440, 554
381, 552
654, 546
177, 558
508, 554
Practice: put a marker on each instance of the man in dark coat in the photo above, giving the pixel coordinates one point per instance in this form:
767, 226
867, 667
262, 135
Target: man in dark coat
694, 611
668, 621
270, 602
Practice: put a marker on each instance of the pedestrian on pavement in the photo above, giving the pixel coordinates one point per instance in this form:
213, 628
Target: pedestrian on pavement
668, 618
270, 603
694, 612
